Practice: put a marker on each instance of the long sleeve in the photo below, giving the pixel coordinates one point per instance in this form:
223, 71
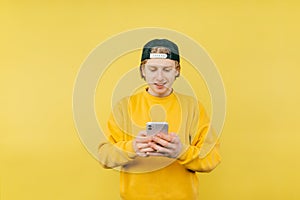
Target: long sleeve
117, 149
152, 176
202, 154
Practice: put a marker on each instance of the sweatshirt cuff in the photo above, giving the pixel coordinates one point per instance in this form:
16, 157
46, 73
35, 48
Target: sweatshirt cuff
129, 149
184, 154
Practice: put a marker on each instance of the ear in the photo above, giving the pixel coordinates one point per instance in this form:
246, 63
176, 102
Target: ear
142, 71
177, 71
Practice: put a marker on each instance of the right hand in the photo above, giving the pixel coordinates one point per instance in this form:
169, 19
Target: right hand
141, 144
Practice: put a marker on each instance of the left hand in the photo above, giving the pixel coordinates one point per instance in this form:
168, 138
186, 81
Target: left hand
167, 145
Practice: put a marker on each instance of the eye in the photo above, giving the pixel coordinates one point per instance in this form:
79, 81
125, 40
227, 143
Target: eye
152, 69
167, 69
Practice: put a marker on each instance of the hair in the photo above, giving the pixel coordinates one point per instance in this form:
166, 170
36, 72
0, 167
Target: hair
159, 50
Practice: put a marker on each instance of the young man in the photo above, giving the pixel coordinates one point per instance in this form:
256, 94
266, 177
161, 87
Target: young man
161, 166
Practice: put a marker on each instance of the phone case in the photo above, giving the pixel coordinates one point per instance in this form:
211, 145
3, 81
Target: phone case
157, 127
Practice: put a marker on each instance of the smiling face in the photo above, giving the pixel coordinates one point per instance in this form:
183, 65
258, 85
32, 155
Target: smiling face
160, 74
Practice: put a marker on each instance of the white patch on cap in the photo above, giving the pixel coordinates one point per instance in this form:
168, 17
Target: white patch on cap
158, 55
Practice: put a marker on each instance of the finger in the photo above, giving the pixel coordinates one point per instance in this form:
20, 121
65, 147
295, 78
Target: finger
142, 133
161, 142
142, 139
142, 145
155, 154
159, 148
145, 150
142, 154
173, 134
166, 137
171, 137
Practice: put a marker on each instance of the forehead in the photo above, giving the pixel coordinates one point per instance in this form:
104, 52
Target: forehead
157, 62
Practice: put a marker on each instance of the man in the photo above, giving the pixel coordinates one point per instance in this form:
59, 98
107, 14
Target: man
161, 166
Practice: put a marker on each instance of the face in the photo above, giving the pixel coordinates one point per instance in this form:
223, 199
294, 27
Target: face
160, 75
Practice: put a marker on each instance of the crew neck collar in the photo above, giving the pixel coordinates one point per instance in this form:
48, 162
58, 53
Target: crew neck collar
156, 98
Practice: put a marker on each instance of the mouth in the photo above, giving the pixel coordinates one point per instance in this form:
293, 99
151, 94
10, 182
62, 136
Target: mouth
160, 85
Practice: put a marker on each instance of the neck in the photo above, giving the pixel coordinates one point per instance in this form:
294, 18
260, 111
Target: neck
170, 90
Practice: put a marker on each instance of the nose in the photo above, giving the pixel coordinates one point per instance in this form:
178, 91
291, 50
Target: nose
160, 75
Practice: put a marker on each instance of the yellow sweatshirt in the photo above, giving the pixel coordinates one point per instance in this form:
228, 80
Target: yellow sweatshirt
153, 177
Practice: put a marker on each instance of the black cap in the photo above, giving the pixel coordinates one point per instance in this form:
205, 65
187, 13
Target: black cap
174, 55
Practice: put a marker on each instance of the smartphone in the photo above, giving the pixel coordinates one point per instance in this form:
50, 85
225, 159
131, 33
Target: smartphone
153, 128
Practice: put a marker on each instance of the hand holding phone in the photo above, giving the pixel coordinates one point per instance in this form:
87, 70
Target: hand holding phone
166, 145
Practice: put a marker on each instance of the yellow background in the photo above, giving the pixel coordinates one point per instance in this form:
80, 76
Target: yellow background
255, 45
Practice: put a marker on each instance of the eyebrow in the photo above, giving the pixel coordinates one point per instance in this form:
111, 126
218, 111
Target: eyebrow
159, 66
